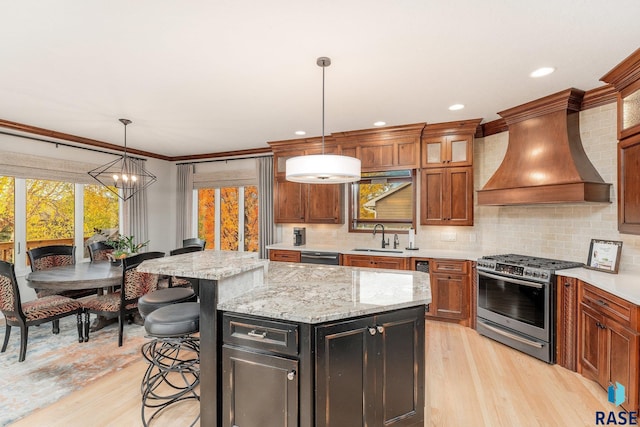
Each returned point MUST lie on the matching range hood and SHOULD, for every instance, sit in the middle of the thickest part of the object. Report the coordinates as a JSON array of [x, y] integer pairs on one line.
[[545, 161]]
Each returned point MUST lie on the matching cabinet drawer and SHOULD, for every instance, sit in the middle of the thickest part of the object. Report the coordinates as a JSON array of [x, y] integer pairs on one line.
[[610, 305], [284, 256], [260, 334], [448, 266]]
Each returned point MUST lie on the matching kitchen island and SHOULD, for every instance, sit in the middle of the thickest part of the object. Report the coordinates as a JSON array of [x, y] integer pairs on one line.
[[297, 344]]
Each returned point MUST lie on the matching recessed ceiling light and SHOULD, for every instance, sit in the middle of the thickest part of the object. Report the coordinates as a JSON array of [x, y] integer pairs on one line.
[[380, 123], [541, 72], [456, 107], [300, 132]]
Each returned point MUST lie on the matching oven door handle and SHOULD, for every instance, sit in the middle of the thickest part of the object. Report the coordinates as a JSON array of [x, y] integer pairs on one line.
[[511, 279], [513, 336]]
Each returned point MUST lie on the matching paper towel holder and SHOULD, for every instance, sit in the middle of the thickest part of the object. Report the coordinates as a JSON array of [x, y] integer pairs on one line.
[[411, 240]]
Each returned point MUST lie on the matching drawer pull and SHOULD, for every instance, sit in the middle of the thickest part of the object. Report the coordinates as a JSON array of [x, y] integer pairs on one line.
[[602, 303], [254, 334], [291, 375]]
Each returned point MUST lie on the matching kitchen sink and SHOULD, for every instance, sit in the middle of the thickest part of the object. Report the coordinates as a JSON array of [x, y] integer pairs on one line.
[[393, 251]]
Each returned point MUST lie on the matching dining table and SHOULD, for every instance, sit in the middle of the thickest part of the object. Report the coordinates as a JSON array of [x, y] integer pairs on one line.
[[97, 275]]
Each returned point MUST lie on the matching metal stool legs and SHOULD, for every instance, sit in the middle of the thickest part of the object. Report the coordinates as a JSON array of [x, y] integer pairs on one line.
[[172, 376]]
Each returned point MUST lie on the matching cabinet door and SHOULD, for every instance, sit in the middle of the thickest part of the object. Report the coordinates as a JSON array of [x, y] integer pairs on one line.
[[459, 200], [451, 296], [324, 203], [400, 385], [629, 185], [289, 201], [592, 344], [258, 389], [345, 376], [432, 195], [376, 156], [622, 363]]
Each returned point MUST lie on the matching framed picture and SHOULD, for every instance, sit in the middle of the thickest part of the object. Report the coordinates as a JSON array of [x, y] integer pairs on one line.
[[604, 255]]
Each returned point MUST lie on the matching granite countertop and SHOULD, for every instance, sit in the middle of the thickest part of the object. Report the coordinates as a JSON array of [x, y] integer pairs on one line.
[[471, 255], [212, 265], [625, 284], [316, 293]]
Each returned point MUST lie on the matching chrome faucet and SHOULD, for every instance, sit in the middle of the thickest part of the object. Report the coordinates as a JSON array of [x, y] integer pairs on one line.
[[396, 241], [384, 243]]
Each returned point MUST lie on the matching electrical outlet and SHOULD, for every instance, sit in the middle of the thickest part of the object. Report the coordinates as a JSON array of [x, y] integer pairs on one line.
[[448, 236]]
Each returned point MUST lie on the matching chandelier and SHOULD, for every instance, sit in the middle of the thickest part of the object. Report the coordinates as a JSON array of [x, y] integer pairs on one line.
[[323, 168], [124, 176]]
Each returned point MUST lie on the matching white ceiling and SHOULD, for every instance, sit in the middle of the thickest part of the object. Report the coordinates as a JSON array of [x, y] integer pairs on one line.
[[209, 76]]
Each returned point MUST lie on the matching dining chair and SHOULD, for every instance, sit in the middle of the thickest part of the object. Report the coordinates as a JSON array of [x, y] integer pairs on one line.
[[123, 301], [182, 282], [51, 256], [99, 251], [194, 241], [31, 313]]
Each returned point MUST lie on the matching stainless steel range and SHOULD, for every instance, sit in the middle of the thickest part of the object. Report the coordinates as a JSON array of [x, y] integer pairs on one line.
[[516, 302]]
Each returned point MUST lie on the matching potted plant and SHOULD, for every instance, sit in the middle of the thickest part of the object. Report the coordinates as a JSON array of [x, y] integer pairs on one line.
[[123, 246]]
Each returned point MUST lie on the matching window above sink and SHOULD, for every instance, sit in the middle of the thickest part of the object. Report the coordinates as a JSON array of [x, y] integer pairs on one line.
[[387, 198]]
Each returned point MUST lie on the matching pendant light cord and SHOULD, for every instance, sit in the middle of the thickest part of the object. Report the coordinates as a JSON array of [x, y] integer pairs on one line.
[[323, 67]]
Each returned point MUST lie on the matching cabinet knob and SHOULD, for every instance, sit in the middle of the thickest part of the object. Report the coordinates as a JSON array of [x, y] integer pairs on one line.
[[291, 375], [372, 331], [567, 284], [380, 328]]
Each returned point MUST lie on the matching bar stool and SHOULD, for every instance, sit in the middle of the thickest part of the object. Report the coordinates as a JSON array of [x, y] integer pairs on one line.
[[173, 354], [162, 297]]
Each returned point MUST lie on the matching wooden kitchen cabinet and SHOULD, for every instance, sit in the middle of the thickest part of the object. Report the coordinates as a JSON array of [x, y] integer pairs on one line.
[[383, 149], [567, 322], [609, 341], [307, 203], [625, 77], [447, 150], [372, 363], [446, 196], [372, 261], [284, 255], [446, 187], [260, 368], [450, 290]]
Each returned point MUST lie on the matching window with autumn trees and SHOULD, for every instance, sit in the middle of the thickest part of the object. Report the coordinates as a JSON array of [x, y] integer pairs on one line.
[[228, 218], [386, 198], [50, 210]]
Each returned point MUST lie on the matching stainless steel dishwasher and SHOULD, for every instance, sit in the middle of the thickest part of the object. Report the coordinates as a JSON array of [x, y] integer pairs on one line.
[[327, 258]]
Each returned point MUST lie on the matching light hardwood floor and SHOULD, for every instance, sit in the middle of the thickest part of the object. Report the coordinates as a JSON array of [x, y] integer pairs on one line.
[[470, 381]]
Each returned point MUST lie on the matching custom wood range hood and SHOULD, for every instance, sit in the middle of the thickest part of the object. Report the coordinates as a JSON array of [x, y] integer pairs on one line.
[[545, 161]]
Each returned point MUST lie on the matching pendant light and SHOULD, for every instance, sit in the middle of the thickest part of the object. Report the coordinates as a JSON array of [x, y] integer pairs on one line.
[[126, 174], [323, 168]]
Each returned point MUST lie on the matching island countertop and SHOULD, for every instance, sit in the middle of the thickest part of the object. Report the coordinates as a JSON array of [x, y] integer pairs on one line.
[[209, 265], [313, 294]]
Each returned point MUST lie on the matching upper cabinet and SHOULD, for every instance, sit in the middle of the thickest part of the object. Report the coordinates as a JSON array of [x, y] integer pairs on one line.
[[304, 203], [446, 190], [390, 148], [626, 79]]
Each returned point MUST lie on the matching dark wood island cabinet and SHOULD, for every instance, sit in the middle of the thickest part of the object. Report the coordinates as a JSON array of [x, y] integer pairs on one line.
[[290, 344]]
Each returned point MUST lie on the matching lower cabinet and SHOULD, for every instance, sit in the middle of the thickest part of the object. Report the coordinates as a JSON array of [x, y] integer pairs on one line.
[[284, 374], [609, 342], [259, 389], [371, 261], [450, 290], [375, 363]]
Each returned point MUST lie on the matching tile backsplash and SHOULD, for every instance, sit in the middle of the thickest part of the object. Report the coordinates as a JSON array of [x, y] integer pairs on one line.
[[561, 231]]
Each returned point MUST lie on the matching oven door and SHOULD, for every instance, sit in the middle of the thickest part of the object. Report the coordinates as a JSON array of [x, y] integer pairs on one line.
[[520, 305]]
